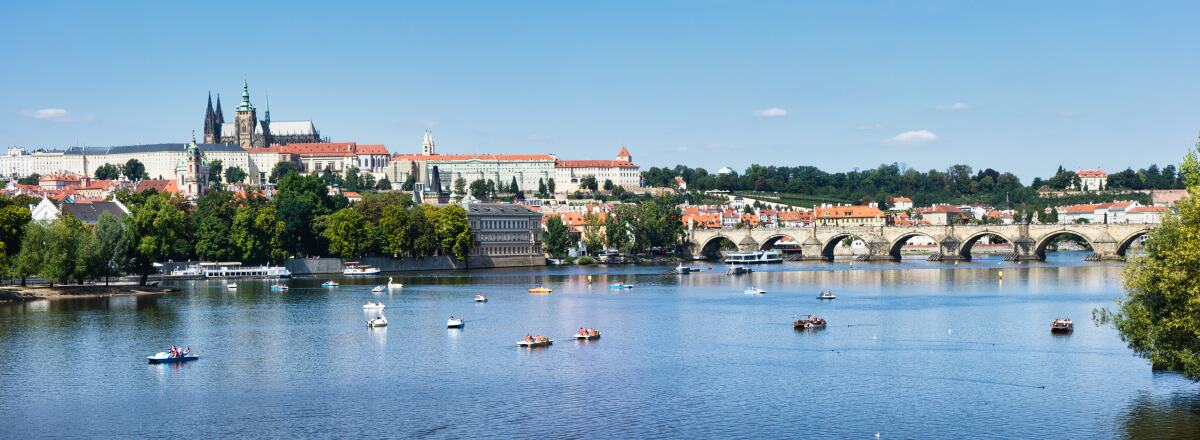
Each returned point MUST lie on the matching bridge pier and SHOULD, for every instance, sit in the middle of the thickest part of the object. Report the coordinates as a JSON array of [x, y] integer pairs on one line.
[[810, 249]]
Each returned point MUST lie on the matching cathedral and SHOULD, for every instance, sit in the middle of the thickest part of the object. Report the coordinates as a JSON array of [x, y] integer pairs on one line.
[[247, 131]]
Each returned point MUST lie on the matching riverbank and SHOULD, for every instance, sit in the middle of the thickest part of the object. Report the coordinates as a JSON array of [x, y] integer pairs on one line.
[[23, 294]]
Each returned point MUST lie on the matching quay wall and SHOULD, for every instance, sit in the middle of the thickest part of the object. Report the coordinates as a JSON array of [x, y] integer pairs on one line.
[[313, 266]]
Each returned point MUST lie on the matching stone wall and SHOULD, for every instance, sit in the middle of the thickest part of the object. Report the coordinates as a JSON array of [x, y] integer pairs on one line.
[[312, 266]]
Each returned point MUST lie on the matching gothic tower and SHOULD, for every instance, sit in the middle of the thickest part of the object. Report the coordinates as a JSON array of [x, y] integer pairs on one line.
[[220, 115], [427, 145], [266, 124], [245, 119], [211, 136]]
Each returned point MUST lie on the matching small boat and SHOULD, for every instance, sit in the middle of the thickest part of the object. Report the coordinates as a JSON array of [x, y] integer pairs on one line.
[[480, 298], [588, 335], [377, 322], [825, 294], [163, 357], [754, 291], [279, 287], [620, 286], [377, 289], [392, 285], [540, 289], [1062, 325], [536, 341], [231, 286], [330, 283], [354, 268], [738, 270], [373, 305], [454, 322], [809, 322]]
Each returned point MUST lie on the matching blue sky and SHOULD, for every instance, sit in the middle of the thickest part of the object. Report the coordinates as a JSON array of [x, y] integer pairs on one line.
[[1016, 86]]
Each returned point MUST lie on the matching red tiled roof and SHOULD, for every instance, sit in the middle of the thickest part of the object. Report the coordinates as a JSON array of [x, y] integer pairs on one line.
[[495, 157], [945, 209], [624, 152], [160, 185], [372, 149], [1149, 209], [855, 211], [901, 199], [320, 147], [1091, 173], [594, 164], [271, 149]]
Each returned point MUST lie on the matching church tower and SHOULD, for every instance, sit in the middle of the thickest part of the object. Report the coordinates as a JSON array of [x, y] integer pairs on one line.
[[192, 173], [266, 140], [246, 120], [623, 155], [211, 135], [427, 145]]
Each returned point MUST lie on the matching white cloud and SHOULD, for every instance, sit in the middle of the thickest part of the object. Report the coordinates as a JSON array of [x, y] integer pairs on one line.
[[57, 114], [953, 106], [913, 137], [773, 112]]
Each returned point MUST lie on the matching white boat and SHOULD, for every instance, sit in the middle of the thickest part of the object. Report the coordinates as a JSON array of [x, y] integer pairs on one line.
[[354, 268], [540, 341], [231, 269], [373, 305], [480, 298], [759, 257], [455, 322], [377, 289], [825, 294], [377, 322], [592, 334], [754, 291], [279, 287], [392, 285], [330, 283], [231, 286]]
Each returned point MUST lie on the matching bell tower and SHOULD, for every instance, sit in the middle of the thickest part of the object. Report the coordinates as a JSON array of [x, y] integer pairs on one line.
[[245, 119]]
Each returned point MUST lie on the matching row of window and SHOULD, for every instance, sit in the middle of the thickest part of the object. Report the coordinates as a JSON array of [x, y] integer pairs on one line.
[[506, 250], [504, 224]]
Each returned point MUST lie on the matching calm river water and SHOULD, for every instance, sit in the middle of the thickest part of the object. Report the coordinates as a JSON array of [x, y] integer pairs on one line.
[[913, 350]]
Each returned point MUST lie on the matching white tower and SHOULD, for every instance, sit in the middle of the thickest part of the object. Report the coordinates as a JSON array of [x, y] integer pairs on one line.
[[427, 144]]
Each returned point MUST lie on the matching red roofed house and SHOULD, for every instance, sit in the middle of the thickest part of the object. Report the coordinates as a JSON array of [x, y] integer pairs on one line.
[[338, 157], [850, 215], [527, 169], [621, 172], [160, 185], [900, 203], [941, 215], [1111, 212], [1145, 214], [1092, 180]]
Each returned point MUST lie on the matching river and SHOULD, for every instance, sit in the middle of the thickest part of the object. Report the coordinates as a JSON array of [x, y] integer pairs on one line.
[[913, 350]]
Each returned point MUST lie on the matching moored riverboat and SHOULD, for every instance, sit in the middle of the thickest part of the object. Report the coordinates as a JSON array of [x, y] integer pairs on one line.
[[228, 270], [354, 268], [757, 257]]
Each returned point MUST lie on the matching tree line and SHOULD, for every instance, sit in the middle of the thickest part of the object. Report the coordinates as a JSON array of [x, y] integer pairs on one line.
[[302, 219], [650, 226]]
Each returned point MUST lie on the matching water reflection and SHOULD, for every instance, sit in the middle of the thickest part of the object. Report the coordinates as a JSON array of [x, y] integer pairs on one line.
[[1174, 416]]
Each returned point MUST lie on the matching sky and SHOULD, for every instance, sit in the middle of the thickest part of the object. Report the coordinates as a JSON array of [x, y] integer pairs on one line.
[[1020, 86]]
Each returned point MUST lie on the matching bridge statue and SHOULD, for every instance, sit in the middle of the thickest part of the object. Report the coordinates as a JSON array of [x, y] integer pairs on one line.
[[954, 242]]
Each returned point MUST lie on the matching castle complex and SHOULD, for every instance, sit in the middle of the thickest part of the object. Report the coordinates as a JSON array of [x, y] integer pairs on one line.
[[247, 131]]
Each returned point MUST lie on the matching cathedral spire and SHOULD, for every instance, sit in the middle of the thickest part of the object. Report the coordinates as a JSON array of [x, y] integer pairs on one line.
[[220, 113], [427, 144], [267, 114], [245, 105]]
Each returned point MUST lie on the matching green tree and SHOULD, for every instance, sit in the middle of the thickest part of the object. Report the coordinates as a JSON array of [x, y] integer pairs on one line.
[[235, 175], [13, 219], [1052, 217], [512, 186], [608, 184], [32, 179], [34, 248], [154, 231], [71, 252], [1159, 317], [109, 234], [588, 183], [212, 222], [108, 171], [134, 170], [421, 231], [410, 182], [351, 182], [541, 188], [479, 190], [550, 186], [215, 168], [347, 232], [616, 230], [282, 169], [301, 199], [593, 232], [384, 184], [392, 232], [454, 232], [460, 185], [557, 238]]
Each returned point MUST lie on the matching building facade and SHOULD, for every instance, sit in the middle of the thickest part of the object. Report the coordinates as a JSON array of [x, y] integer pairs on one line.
[[622, 172], [505, 235], [247, 131]]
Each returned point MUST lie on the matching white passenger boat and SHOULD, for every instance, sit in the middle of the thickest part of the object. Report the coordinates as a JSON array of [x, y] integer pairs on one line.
[[455, 322], [754, 291], [759, 257], [373, 305], [231, 269], [377, 322], [356, 268]]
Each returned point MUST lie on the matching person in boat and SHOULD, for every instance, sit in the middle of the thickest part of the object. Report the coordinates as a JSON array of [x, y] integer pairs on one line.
[[582, 332], [187, 350], [528, 338]]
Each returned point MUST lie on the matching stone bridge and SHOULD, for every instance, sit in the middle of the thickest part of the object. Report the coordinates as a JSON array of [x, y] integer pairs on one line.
[[1028, 241]]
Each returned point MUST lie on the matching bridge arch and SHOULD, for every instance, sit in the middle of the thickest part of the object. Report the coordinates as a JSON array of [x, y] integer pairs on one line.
[[1039, 248], [827, 250], [964, 248], [770, 241], [711, 248], [1125, 243], [898, 244]]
